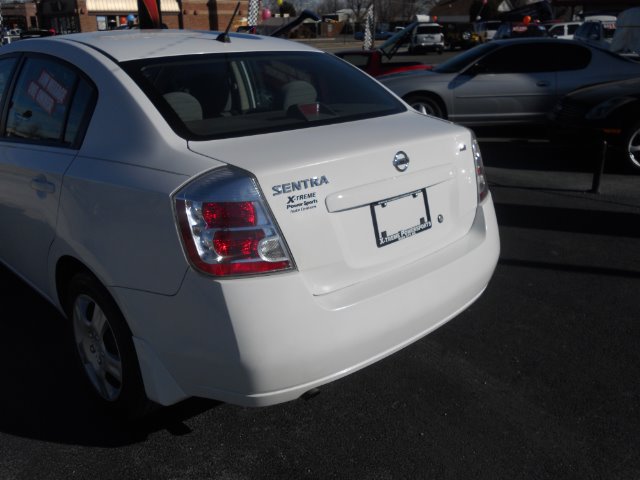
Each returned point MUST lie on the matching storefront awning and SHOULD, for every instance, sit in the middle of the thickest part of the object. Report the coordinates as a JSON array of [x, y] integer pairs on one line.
[[127, 6]]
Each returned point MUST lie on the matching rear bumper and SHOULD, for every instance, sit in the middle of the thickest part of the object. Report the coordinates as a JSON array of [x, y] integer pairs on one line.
[[262, 341], [429, 47]]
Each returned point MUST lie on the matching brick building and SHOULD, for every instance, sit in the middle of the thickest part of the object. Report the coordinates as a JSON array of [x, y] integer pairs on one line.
[[19, 15], [68, 16]]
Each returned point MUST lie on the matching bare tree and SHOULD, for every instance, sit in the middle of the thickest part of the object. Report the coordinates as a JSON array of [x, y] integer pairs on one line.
[[359, 8], [329, 6], [401, 11]]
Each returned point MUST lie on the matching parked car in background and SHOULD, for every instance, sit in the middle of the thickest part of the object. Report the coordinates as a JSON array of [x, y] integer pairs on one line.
[[611, 110], [520, 30], [381, 60], [459, 35], [562, 29], [598, 33], [9, 36], [37, 33], [376, 62], [427, 37], [251, 219], [515, 81], [487, 29]]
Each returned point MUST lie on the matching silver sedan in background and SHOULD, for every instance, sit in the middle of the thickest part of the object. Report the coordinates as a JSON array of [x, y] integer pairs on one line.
[[507, 82]]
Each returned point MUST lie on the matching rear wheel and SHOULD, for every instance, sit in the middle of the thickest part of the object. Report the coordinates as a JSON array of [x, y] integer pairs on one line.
[[105, 348], [425, 104], [631, 148]]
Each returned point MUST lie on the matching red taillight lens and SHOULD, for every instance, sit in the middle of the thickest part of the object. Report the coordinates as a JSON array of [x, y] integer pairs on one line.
[[227, 228], [229, 214], [252, 268], [237, 244]]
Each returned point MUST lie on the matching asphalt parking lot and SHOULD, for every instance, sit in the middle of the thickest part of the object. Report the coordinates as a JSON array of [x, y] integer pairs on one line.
[[537, 380]]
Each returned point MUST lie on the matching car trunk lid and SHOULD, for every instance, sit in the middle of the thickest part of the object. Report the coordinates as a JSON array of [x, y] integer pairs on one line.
[[347, 212]]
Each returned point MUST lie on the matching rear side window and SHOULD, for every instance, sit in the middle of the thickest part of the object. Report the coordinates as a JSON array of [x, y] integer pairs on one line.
[[428, 29], [44, 106], [532, 57], [217, 96], [572, 57]]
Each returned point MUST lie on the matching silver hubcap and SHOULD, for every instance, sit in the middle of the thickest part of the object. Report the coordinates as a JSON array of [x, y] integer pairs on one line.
[[97, 347], [425, 108], [422, 108], [634, 148]]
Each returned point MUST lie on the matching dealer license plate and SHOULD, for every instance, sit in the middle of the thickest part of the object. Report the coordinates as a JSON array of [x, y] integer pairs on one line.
[[400, 217]]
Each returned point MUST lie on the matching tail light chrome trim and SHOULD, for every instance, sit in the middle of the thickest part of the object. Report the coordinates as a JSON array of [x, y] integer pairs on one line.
[[481, 178]]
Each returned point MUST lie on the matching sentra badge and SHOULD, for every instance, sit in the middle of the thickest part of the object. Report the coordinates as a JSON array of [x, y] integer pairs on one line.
[[304, 184]]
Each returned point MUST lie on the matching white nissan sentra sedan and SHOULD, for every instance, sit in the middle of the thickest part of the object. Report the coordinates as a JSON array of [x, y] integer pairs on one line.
[[243, 220]]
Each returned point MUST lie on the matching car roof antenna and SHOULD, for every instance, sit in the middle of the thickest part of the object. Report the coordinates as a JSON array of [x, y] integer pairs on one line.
[[224, 36]]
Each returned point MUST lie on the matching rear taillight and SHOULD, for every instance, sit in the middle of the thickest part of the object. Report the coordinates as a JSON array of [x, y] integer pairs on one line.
[[226, 226], [481, 179]]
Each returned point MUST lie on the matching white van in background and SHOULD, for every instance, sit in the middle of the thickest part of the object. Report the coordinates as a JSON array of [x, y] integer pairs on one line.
[[562, 29], [427, 37]]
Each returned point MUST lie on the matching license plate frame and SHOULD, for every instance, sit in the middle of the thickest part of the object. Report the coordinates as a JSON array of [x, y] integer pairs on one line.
[[413, 204]]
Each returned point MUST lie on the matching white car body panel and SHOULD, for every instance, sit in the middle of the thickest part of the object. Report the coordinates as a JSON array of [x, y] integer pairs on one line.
[[30, 186], [119, 218]]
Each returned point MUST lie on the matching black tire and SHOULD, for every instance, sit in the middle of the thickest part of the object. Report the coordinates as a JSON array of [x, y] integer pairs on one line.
[[630, 154], [425, 104], [105, 350]]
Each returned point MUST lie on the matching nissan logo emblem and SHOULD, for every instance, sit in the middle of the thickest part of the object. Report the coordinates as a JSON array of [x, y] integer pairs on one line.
[[401, 161]]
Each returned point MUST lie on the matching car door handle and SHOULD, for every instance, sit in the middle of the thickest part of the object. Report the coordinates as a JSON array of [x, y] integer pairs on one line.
[[41, 184], [542, 83]]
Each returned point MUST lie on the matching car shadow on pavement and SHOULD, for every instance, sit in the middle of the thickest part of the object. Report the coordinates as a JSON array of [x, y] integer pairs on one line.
[[596, 222], [43, 394], [540, 148], [590, 269], [539, 154]]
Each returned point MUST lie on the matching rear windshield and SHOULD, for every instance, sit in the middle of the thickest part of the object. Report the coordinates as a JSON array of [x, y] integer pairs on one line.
[[428, 29], [238, 94]]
